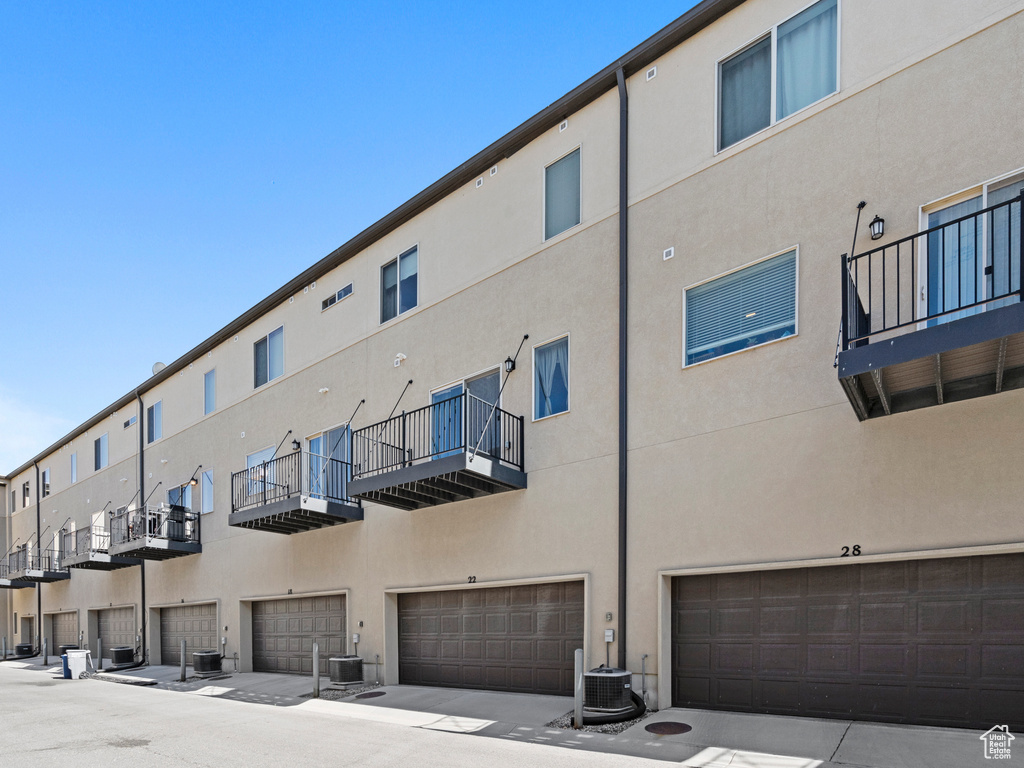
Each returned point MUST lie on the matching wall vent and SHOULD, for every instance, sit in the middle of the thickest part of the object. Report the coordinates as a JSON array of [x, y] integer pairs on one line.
[[494, 169], [479, 183], [563, 126], [668, 254], [652, 72]]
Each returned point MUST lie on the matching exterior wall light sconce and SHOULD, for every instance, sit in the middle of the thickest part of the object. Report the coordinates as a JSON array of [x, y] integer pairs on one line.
[[510, 364], [192, 480], [877, 226], [296, 445]]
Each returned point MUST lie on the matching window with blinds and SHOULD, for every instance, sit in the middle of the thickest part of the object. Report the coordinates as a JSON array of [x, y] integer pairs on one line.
[[743, 309]]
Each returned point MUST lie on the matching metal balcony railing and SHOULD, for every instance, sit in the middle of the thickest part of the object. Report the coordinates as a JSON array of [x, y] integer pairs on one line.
[[460, 424], [953, 270], [171, 522], [23, 560], [295, 474], [92, 538]]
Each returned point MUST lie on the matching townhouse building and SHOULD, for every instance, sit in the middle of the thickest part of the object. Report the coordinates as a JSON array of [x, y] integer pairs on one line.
[[629, 368]]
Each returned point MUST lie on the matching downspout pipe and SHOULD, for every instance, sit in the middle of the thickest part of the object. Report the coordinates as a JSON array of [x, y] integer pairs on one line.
[[39, 546], [620, 78], [142, 495]]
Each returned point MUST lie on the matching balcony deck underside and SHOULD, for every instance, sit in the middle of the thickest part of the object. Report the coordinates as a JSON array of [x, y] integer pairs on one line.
[[39, 575], [296, 514], [957, 360], [99, 561], [441, 481], [16, 584], [152, 548]]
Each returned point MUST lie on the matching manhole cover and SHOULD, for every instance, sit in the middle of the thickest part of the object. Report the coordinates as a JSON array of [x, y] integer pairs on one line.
[[370, 695], [668, 728]]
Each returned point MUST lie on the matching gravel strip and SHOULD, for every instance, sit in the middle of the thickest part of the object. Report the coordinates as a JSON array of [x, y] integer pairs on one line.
[[337, 694], [565, 723]]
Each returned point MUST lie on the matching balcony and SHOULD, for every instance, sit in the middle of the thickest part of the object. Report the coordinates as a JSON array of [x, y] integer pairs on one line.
[[935, 317], [293, 493], [452, 450], [36, 566], [6, 582], [155, 532], [89, 548]]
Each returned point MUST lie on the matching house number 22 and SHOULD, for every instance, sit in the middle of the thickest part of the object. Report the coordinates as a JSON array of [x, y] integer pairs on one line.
[[847, 551]]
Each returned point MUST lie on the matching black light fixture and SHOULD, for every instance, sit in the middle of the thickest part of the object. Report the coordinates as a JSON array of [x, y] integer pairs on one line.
[[296, 445], [510, 364], [877, 226], [192, 480]]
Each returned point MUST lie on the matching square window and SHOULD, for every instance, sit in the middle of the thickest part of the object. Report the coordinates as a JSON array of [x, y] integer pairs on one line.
[[210, 391], [398, 285], [154, 422], [562, 195], [804, 52], [742, 309], [551, 378], [268, 358], [99, 452]]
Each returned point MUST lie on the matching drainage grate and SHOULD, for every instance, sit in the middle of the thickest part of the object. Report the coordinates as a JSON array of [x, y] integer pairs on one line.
[[668, 728], [370, 695]]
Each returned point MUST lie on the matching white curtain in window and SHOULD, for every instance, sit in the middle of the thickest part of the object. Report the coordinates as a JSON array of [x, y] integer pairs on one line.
[[806, 58], [746, 93], [551, 360]]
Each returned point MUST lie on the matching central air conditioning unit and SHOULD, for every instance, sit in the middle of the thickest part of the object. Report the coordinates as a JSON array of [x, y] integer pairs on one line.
[[121, 655], [206, 663], [607, 690], [346, 670]]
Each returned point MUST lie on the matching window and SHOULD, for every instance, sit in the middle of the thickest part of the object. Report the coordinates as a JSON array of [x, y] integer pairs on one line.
[[328, 470], [74, 467], [154, 422], [742, 309], [99, 452], [260, 470], [130, 421], [974, 263], [398, 286], [207, 492], [46, 482], [562, 195], [26, 495], [551, 378], [334, 298], [268, 358], [180, 495], [210, 391], [802, 52]]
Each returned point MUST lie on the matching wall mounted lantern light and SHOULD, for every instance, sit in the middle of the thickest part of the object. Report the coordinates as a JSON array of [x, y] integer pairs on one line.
[[877, 226]]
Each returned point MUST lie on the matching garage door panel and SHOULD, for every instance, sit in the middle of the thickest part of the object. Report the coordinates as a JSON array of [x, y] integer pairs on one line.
[[505, 638], [116, 627], [195, 624], [283, 639], [65, 629], [909, 642]]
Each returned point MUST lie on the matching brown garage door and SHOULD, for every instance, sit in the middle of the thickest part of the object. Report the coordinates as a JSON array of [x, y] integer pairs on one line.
[[931, 642], [65, 630], [499, 639], [283, 632], [195, 624], [116, 628]]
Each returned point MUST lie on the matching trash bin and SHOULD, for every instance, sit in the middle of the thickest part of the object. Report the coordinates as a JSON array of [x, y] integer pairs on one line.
[[67, 669], [77, 663]]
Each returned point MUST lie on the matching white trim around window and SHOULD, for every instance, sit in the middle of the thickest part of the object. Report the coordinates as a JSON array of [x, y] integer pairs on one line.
[[397, 261], [795, 250], [772, 35], [533, 378], [544, 194]]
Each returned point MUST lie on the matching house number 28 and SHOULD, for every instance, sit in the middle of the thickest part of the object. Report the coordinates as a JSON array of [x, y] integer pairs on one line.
[[847, 551]]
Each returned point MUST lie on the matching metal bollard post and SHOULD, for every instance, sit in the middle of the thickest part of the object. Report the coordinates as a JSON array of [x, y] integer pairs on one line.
[[183, 661], [45, 643], [5, 647], [316, 670], [577, 714], [99, 653], [376, 665]]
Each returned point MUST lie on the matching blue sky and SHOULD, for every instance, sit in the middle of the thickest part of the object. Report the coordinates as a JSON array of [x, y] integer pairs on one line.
[[167, 165]]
